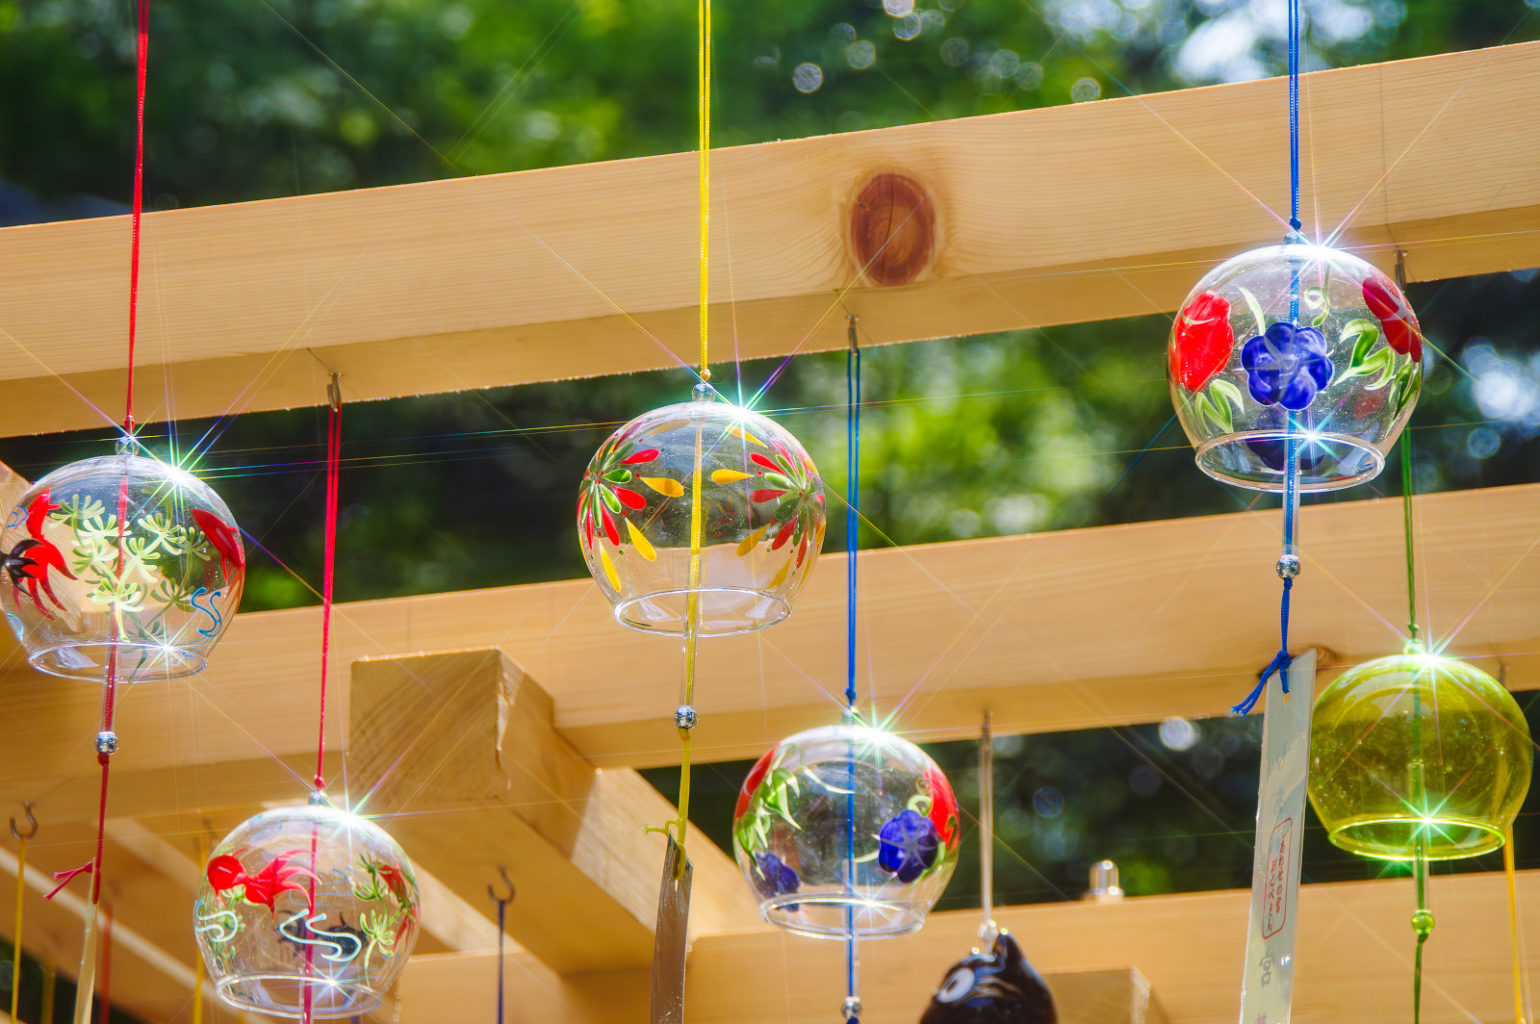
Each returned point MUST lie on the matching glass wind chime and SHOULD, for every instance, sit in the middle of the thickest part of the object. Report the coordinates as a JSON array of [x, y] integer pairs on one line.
[[997, 986], [120, 568], [1418, 757], [308, 911], [847, 831], [698, 519], [1293, 367]]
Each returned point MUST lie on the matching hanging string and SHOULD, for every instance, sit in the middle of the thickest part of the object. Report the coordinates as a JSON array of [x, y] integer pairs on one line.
[[1288, 564], [1511, 874], [1294, 33], [104, 1005], [851, 1008], [50, 980], [502, 922], [703, 74], [21, 893], [333, 472], [200, 972], [133, 265], [988, 929], [329, 529], [684, 715], [1422, 918], [1287, 568]]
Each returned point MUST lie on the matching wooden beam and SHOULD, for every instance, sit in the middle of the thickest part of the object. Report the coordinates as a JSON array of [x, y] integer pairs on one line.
[[1353, 961], [1045, 216], [458, 754], [1018, 625], [153, 948], [444, 990]]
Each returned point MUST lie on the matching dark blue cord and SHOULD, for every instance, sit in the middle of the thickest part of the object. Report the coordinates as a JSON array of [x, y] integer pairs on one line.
[[1281, 660], [853, 509], [1294, 31], [502, 911]]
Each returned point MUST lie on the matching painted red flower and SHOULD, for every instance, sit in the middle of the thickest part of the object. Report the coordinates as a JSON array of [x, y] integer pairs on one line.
[[29, 561], [263, 888], [750, 784], [1390, 308], [943, 805], [1201, 341]]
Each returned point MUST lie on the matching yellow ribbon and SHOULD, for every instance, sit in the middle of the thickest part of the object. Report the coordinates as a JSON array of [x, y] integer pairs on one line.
[[1513, 927], [21, 897]]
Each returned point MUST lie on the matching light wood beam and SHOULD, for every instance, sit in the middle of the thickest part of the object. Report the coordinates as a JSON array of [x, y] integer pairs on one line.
[[153, 948], [1046, 216], [1058, 631], [1353, 961], [458, 756]]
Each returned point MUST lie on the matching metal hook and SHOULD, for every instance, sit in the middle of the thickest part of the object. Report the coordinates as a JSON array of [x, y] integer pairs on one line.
[[334, 392], [850, 331], [506, 881], [31, 821], [1401, 269]]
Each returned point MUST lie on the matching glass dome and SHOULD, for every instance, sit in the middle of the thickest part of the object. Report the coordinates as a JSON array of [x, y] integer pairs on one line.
[[1347, 368], [1418, 748], [762, 525], [306, 906], [120, 561], [792, 833]]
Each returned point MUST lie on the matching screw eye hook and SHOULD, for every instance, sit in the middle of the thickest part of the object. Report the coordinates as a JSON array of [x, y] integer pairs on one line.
[[508, 883], [31, 822]]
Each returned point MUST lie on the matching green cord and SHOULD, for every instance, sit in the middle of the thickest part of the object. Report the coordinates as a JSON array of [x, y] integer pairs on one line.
[[1411, 563]]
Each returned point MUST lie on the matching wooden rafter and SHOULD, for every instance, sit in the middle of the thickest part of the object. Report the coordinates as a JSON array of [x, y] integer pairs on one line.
[[1018, 625], [1046, 216], [467, 737], [1353, 961]]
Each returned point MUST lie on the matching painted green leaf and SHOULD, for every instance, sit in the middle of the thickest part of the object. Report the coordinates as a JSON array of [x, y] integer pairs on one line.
[[1256, 310], [1363, 334]]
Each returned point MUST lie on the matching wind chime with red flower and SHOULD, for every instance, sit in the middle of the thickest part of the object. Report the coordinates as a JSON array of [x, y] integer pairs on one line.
[[309, 911], [1319, 390], [698, 519], [119, 568]]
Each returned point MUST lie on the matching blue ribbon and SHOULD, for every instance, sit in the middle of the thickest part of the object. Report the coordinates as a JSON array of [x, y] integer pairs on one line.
[[1294, 31]]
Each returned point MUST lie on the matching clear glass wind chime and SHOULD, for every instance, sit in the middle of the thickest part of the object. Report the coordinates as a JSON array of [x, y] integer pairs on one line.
[[1294, 367], [1418, 757], [847, 831], [698, 519], [309, 911], [121, 568]]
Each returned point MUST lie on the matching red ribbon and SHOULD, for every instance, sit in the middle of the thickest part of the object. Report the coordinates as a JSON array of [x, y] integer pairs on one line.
[[333, 471], [133, 272]]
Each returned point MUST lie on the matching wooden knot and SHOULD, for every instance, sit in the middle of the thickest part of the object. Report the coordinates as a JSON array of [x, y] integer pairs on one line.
[[892, 229]]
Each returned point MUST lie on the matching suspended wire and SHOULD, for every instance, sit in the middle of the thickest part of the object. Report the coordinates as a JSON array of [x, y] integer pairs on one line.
[[851, 1006], [333, 473]]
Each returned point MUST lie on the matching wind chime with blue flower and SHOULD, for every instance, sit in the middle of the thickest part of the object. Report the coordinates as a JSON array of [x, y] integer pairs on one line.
[[1312, 399], [847, 831]]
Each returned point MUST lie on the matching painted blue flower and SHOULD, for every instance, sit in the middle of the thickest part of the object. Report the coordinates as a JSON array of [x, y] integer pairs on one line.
[[1287, 365], [776, 878], [908, 845]]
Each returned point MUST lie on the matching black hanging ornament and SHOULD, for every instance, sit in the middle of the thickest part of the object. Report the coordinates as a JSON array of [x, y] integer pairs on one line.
[[998, 987]]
